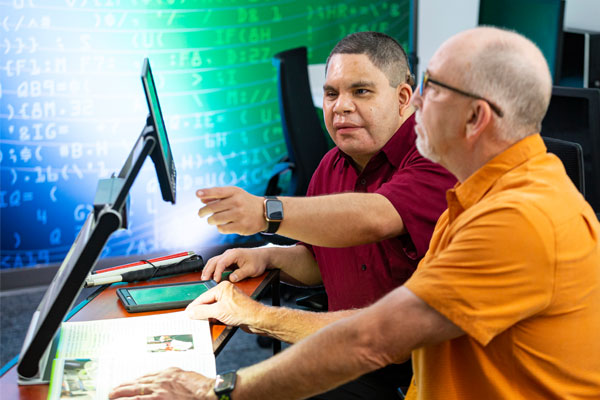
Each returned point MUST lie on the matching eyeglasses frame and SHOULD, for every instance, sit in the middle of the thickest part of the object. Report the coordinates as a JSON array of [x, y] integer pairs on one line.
[[427, 79]]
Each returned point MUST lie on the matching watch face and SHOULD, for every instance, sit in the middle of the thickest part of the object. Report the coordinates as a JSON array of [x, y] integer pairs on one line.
[[225, 383], [274, 210]]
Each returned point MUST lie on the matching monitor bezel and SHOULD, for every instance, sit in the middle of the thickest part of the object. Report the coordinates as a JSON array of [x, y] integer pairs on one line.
[[161, 153]]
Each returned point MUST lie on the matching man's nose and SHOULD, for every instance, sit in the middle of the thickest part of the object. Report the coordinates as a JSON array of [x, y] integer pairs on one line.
[[343, 104], [417, 100]]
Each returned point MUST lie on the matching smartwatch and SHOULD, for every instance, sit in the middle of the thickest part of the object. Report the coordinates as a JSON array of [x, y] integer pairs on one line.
[[224, 385], [273, 214]]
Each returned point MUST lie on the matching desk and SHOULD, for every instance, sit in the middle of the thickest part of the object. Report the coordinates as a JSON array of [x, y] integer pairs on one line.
[[104, 304]]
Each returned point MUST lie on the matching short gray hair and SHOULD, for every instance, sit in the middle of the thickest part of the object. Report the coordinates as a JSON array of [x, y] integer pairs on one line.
[[382, 50], [511, 71]]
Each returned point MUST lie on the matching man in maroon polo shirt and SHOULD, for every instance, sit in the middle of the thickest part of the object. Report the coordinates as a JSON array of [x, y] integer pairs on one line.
[[368, 216]]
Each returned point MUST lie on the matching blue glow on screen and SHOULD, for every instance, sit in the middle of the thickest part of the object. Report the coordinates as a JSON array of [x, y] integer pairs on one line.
[[72, 106]]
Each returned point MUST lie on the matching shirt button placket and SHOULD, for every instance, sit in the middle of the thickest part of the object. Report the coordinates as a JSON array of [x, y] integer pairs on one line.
[[361, 185]]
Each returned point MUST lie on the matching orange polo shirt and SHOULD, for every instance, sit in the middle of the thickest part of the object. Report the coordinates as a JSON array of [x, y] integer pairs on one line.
[[515, 263]]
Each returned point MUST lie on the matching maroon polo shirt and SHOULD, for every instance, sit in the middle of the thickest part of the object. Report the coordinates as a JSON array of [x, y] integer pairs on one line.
[[357, 276]]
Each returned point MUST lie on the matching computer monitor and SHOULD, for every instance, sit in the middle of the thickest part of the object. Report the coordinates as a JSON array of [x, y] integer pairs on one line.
[[153, 140], [161, 154], [580, 65], [574, 115], [109, 215], [539, 20]]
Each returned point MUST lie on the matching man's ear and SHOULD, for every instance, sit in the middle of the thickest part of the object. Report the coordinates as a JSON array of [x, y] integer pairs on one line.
[[405, 93], [478, 120]]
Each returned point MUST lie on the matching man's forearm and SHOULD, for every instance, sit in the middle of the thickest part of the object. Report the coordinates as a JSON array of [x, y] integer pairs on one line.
[[290, 325], [371, 338], [335, 355], [296, 262], [340, 220]]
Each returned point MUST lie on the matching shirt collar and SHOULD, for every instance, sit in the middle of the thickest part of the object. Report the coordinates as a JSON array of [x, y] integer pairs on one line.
[[396, 147], [401, 142], [474, 188]]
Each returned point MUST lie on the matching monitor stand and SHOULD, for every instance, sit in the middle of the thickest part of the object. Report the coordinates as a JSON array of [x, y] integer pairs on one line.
[[109, 215]]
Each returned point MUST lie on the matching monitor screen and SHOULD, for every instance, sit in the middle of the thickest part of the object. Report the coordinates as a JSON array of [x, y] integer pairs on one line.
[[161, 154], [153, 141], [539, 20]]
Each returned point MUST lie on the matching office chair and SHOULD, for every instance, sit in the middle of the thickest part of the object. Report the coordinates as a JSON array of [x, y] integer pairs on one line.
[[305, 140], [574, 115], [571, 155]]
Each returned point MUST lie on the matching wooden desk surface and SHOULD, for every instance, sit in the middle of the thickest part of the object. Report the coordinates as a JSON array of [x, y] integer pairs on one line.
[[105, 305]]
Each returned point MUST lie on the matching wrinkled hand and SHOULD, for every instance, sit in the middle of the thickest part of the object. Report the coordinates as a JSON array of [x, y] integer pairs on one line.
[[249, 262], [227, 304], [233, 210], [171, 383]]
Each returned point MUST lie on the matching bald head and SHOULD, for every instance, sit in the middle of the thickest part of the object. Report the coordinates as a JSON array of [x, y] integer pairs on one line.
[[504, 67]]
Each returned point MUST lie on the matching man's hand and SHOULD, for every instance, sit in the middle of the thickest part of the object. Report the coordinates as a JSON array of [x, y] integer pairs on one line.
[[227, 304], [233, 210], [249, 262], [171, 383]]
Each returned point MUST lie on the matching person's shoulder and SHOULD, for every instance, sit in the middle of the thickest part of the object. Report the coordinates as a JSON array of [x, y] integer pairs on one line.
[[516, 212], [543, 191], [416, 162]]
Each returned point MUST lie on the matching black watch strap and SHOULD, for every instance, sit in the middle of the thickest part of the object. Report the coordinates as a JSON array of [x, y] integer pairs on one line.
[[224, 385], [273, 211]]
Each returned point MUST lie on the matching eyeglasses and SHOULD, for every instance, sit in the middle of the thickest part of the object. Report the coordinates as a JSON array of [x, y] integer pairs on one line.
[[427, 79]]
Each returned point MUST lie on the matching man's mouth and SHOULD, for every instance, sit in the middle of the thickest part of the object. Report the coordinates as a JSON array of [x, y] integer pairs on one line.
[[345, 127], [419, 122]]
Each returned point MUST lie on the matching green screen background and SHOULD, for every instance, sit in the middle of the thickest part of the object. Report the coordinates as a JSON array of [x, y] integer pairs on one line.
[[72, 105]]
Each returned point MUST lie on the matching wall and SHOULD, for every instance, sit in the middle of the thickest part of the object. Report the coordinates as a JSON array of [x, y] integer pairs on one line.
[[440, 19], [583, 14]]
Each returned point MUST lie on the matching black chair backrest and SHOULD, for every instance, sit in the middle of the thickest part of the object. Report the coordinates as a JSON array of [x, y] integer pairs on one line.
[[304, 136], [571, 155], [574, 116]]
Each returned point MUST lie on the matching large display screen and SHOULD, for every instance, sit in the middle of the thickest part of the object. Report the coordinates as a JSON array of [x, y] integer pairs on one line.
[[539, 20], [70, 107]]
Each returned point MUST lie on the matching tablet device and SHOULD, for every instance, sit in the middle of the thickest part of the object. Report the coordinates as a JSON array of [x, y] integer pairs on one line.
[[162, 297]]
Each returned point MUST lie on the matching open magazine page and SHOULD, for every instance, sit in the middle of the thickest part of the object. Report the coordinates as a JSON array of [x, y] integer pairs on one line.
[[95, 356], [129, 335], [94, 378]]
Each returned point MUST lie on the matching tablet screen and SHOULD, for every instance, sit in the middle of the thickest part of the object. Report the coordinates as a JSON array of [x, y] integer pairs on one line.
[[166, 294]]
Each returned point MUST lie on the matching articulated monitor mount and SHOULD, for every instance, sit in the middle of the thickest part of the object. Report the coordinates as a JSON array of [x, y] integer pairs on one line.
[[109, 215]]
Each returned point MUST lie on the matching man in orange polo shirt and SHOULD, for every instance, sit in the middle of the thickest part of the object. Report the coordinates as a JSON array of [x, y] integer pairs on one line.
[[514, 261], [506, 302]]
